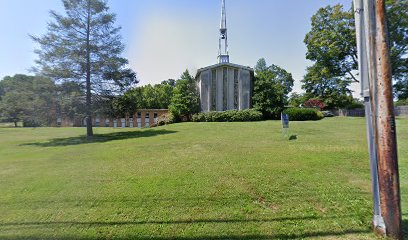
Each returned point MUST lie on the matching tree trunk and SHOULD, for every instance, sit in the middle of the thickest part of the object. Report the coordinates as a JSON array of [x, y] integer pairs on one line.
[[15, 123], [89, 130]]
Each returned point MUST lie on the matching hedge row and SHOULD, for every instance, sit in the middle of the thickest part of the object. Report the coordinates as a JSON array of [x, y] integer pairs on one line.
[[303, 114], [247, 115]]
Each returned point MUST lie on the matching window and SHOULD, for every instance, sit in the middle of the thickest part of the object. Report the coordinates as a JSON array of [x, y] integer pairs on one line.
[[225, 88], [154, 115], [213, 90], [139, 115], [236, 89], [147, 119]]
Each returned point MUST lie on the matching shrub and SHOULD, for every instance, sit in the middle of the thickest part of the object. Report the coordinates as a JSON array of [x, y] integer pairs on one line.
[[30, 123], [303, 114], [403, 102], [199, 117], [165, 119], [246, 115], [355, 105], [314, 103]]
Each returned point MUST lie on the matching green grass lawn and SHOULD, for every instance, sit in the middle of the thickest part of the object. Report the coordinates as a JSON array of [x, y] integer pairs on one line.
[[191, 181]]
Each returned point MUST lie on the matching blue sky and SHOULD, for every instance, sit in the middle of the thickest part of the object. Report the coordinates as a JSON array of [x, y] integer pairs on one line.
[[164, 37]]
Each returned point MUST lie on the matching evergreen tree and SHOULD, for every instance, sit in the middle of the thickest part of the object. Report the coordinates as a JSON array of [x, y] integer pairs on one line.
[[84, 46]]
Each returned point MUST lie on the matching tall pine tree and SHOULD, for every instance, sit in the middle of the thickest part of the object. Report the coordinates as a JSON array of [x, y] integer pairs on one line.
[[84, 46]]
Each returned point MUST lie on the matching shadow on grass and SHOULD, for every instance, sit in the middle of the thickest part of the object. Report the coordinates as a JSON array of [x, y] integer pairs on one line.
[[316, 234], [99, 138], [405, 228], [52, 225], [172, 222], [292, 137]]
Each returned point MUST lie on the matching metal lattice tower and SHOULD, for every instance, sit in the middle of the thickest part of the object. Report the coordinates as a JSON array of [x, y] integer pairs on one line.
[[223, 56]]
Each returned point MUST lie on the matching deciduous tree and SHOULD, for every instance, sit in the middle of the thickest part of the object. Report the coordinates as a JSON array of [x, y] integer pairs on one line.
[[185, 101], [272, 85], [331, 45], [30, 99]]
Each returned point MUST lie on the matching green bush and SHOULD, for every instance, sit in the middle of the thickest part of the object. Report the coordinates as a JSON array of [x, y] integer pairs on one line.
[[303, 114], [355, 105], [199, 117], [247, 115], [403, 102]]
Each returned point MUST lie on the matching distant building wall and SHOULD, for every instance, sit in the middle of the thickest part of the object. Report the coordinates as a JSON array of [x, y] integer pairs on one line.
[[224, 87], [401, 111], [141, 119]]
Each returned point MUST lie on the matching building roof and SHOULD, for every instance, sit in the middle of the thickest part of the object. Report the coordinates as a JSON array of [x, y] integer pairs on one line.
[[223, 64]]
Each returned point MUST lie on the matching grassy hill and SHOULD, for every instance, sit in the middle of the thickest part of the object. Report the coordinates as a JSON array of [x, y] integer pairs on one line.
[[191, 181]]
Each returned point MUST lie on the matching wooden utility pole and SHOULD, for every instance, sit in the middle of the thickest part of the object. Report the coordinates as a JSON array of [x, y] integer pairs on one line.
[[387, 142], [380, 82]]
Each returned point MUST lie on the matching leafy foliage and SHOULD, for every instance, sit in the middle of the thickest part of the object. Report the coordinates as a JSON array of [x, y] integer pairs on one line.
[[331, 45], [401, 88], [332, 42], [397, 19], [272, 85], [156, 97], [297, 100], [403, 102], [320, 83], [70, 100], [355, 104], [303, 114], [145, 97], [314, 103], [247, 115], [185, 101], [29, 99], [165, 119]]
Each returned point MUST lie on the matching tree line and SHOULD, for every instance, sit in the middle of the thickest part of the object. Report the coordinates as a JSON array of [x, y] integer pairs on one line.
[[38, 101], [331, 46], [80, 70]]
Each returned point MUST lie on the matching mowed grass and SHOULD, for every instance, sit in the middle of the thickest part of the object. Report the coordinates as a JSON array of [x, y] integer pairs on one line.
[[191, 181]]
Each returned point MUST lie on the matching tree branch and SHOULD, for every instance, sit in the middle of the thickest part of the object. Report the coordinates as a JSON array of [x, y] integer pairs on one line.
[[353, 77]]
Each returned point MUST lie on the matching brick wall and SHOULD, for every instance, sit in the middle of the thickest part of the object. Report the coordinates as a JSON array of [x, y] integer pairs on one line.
[[142, 118]]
